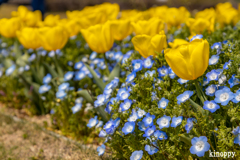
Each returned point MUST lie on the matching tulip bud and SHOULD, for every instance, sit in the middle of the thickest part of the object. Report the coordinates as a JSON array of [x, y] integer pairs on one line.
[[29, 38], [9, 27]]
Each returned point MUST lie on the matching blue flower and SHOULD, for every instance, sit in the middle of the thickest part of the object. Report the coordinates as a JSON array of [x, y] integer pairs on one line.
[[101, 149], [205, 82], [222, 79], [217, 45], [79, 100], [223, 96], [93, 55], [109, 127], [136, 155], [141, 113], [160, 135], [118, 56], [227, 64], [137, 65], [10, 70], [164, 121], [189, 124], [63, 86], [182, 81], [236, 130], [32, 57], [149, 73], [78, 65], [233, 81], [171, 74], [76, 108], [163, 71], [151, 149], [236, 98], [212, 75], [100, 123], [199, 146], [68, 76], [92, 122], [211, 106], [184, 97], [147, 63], [126, 104], [148, 119], [123, 94], [44, 88], [130, 77], [47, 79], [60, 94], [213, 60], [149, 131], [101, 100], [198, 36], [163, 103], [237, 139], [141, 126], [79, 75], [128, 127], [102, 134], [176, 121], [133, 117], [210, 90], [154, 96]]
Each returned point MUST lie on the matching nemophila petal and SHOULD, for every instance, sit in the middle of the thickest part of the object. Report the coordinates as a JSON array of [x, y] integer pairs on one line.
[[217, 45], [163, 71], [128, 127], [176, 121], [184, 97], [126, 104], [222, 79], [160, 135], [149, 73], [189, 125], [44, 88], [163, 103], [61, 94], [136, 155], [233, 81], [68, 76], [199, 146], [154, 96], [63, 86], [151, 149], [93, 55], [76, 108], [198, 36], [237, 139], [223, 96], [149, 131], [117, 56], [101, 100], [107, 91], [205, 82], [116, 122], [102, 134], [140, 113], [10, 70], [147, 62], [211, 106], [130, 77], [182, 81], [101, 149], [133, 117], [164, 121], [212, 75], [148, 119], [236, 98], [236, 130], [137, 65], [171, 73], [78, 65], [92, 122], [47, 79], [100, 123], [213, 60], [32, 57], [210, 90], [123, 94], [141, 126], [227, 64]]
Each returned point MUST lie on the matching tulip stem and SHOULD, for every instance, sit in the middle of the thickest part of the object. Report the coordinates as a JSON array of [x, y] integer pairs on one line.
[[199, 91]]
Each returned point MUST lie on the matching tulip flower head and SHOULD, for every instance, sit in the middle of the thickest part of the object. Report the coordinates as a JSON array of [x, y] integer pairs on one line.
[[28, 37], [9, 27]]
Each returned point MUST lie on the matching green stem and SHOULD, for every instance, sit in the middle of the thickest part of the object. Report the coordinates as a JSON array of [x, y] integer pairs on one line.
[[105, 60], [198, 90]]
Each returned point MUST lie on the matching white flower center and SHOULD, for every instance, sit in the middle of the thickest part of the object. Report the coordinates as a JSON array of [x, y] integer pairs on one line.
[[163, 104], [213, 76], [150, 131], [124, 95], [163, 71], [224, 96], [185, 97], [211, 105], [214, 60], [137, 65], [199, 145], [149, 120], [101, 100], [127, 105], [148, 62], [130, 128], [178, 121], [211, 90], [137, 157], [237, 97], [140, 113], [164, 122]]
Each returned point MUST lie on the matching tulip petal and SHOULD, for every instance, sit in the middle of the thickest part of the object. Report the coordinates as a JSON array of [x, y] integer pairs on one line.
[[142, 45]]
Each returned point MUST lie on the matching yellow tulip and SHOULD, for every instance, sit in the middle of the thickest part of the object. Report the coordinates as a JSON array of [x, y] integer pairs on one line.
[[9, 27], [126, 14], [207, 14], [189, 61], [225, 13], [121, 29], [148, 45], [29, 38], [177, 42], [53, 38], [50, 21], [99, 37], [149, 27], [72, 26], [197, 26]]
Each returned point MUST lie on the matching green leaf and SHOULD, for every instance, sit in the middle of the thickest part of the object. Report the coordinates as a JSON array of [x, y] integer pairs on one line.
[[16, 49], [59, 69], [115, 73], [36, 76], [185, 139], [99, 82], [22, 61], [102, 113], [7, 63], [50, 70], [197, 107], [85, 94]]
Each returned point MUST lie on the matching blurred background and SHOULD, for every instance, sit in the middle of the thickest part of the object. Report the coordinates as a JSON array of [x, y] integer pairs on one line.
[[60, 6]]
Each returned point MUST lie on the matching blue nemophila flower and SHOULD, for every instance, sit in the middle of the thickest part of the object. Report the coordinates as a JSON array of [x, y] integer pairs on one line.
[[176, 121], [68, 76], [141, 113], [137, 65], [148, 62], [101, 100], [60, 94], [123, 94], [227, 64], [160, 135], [212, 75], [76, 108], [44, 88], [211, 106], [92, 122], [26, 68], [236, 98], [101, 149], [32, 57], [141, 126], [151, 149], [79, 100], [199, 146], [189, 124], [51, 54], [198, 36], [149, 131], [163, 103], [70, 63], [222, 79], [102, 134], [154, 96], [126, 104], [136, 155], [109, 127], [100, 123], [163, 71], [128, 127], [130, 77], [210, 90], [164, 121], [223, 96], [236, 130], [93, 55], [237, 139], [184, 97], [109, 55], [205, 82], [10, 70], [78, 65], [213, 60], [108, 91], [171, 73], [233, 81], [118, 56], [217, 45], [133, 117], [79, 75], [47, 79], [149, 73], [20, 70], [182, 81], [148, 119], [63, 86]]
